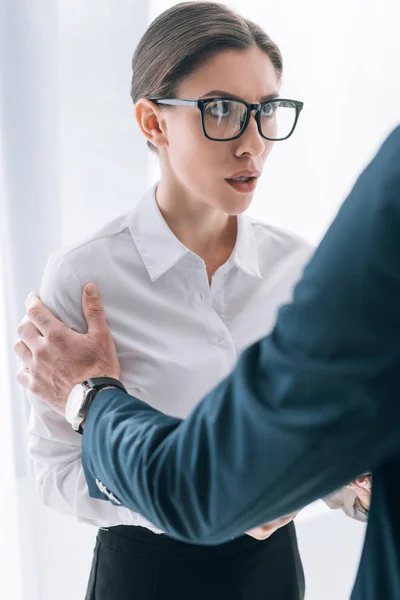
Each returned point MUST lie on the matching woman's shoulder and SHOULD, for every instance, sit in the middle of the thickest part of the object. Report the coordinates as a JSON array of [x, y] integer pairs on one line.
[[281, 240], [108, 235], [282, 254], [71, 267]]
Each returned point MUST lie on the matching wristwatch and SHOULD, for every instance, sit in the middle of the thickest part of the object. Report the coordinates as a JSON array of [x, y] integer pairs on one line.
[[82, 396]]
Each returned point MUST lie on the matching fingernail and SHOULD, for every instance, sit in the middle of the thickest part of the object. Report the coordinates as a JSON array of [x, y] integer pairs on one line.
[[92, 290]]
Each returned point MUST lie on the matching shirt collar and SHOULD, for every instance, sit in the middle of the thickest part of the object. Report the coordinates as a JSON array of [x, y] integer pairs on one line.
[[245, 253], [160, 249]]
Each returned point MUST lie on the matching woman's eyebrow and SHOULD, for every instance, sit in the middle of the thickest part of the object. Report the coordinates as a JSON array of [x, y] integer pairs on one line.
[[271, 96]]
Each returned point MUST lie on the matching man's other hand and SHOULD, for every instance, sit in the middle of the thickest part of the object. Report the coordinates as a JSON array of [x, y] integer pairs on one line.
[[362, 487]]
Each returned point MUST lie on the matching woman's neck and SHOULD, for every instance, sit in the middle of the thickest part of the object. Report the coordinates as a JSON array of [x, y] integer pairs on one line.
[[205, 230]]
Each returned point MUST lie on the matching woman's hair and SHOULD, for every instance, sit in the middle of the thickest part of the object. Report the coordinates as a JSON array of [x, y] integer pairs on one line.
[[184, 37]]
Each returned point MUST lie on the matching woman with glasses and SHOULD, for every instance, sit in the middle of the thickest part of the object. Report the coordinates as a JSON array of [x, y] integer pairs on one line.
[[188, 282]]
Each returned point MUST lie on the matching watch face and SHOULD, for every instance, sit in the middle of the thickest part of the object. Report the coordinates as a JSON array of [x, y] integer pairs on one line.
[[75, 402]]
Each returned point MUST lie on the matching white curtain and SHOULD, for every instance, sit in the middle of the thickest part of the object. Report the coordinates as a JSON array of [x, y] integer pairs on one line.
[[70, 159]]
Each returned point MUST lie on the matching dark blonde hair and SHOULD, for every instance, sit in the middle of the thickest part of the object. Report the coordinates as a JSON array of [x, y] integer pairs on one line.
[[183, 37]]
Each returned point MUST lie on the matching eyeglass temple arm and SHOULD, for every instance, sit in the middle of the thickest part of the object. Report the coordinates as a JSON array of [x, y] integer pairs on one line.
[[176, 102]]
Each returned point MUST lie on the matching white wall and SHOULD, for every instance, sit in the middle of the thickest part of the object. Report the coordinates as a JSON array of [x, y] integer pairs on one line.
[[341, 59]]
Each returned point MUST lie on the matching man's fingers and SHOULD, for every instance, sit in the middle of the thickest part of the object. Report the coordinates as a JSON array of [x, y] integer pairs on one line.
[[40, 315], [361, 484], [24, 378], [362, 489], [93, 309], [23, 352], [29, 335], [364, 482]]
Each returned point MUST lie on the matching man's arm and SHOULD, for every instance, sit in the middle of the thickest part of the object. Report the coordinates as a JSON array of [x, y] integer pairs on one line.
[[306, 409]]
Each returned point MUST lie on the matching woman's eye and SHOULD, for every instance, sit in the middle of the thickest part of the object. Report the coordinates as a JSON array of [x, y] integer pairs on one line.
[[268, 110], [220, 109]]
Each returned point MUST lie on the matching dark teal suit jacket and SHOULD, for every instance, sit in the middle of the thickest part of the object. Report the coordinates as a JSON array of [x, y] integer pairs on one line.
[[306, 409]]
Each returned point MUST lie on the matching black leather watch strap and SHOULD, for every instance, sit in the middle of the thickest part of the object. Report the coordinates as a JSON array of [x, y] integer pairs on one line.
[[98, 383]]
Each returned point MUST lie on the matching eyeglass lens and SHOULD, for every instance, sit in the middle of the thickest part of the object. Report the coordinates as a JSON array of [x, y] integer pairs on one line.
[[224, 119]]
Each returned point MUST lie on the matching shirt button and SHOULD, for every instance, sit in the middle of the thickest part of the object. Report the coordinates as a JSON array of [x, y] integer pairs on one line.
[[219, 306]]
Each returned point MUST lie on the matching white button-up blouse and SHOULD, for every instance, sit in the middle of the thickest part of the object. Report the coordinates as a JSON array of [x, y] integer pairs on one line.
[[176, 336]]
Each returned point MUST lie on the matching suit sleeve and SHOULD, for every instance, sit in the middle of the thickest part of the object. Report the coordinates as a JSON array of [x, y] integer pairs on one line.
[[306, 409]]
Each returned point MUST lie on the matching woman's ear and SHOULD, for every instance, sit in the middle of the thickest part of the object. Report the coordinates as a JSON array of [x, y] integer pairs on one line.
[[151, 123]]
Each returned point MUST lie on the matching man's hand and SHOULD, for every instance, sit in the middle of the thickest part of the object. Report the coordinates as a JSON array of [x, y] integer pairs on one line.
[[54, 358], [362, 487], [265, 531]]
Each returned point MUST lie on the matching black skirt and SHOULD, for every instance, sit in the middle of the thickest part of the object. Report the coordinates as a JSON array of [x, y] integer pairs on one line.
[[133, 563]]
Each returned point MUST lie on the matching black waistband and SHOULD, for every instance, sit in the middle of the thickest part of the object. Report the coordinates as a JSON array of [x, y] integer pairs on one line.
[[134, 539]]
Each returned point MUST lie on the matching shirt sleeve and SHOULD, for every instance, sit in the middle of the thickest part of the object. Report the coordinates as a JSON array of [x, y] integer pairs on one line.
[[307, 408], [54, 446]]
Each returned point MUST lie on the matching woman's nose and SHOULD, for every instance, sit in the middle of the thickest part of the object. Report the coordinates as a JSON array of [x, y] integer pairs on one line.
[[251, 141]]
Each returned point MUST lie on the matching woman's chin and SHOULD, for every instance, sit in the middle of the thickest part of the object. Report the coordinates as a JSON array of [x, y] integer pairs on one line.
[[235, 204]]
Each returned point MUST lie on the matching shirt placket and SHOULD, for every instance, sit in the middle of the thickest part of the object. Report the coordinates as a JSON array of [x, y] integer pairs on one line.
[[212, 303], [223, 337]]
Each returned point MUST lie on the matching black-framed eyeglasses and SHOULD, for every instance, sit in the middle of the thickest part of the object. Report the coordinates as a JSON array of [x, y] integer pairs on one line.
[[225, 119]]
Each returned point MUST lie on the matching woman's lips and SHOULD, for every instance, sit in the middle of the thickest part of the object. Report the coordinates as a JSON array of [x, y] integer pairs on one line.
[[243, 187]]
